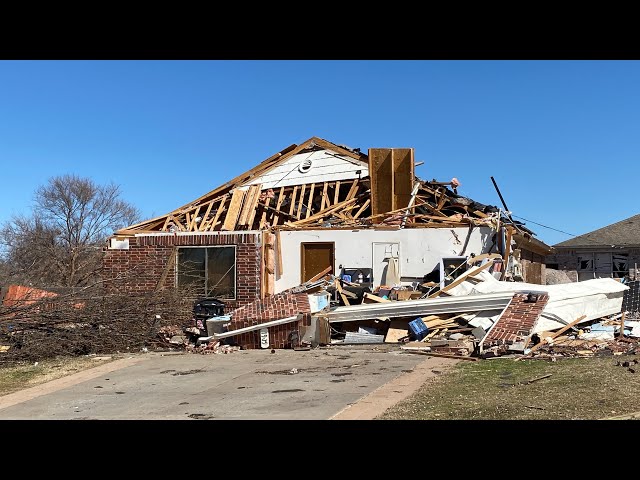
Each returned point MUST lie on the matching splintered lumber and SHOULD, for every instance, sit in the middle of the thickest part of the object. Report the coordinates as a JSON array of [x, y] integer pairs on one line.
[[558, 333], [444, 355], [221, 208], [341, 292], [250, 200], [362, 208], [461, 278], [478, 258], [397, 330], [321, 214], [234, 210], [318, 276], [204, 221], [374, 298], [194, 219], [352, 190], [263, 220], [254, 205]]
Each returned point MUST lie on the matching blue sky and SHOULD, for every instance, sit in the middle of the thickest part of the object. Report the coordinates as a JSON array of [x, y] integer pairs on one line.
[[561, 138]]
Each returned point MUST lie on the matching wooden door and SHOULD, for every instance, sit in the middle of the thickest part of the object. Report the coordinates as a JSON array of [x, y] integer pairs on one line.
[[315, 258]]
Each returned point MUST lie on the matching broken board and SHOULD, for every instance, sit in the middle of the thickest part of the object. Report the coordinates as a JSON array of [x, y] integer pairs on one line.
[[397, 330]]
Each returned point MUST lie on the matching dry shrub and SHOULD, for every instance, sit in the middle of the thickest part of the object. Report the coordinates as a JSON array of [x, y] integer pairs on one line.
[[84, 323]]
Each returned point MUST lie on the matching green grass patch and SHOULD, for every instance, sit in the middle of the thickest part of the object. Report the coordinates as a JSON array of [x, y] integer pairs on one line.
[[577, 389]]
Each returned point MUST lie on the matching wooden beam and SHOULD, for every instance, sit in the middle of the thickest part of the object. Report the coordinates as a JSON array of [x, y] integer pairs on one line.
[[177, 223], [461, 278], [304, 187], [336, 193], [205, 218], [362, 208], [234, 210], [263, 220], [278, 253], [293, 200], [310, 202], [318, 276], [252, 208], [375, 298], [557, 334], [322, 213], [278, 204], [324, 197], [246, 205], [352, 190], [194, 222], [339, 288], [219, 211], [622, 325]]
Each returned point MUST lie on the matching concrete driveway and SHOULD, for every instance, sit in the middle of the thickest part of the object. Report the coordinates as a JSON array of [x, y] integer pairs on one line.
[[334, 382]]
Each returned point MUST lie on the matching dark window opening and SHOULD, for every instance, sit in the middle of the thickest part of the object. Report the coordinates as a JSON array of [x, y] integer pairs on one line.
[[210, 271]]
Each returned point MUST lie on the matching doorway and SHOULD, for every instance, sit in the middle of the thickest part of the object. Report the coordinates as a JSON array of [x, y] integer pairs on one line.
[[316, 257]]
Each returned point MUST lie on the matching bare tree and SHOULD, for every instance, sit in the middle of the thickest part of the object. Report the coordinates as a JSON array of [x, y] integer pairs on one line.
[[60, 243]]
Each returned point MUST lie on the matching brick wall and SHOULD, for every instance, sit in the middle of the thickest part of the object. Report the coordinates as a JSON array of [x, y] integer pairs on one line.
[[141, 266], [517, 320], [274, 307]]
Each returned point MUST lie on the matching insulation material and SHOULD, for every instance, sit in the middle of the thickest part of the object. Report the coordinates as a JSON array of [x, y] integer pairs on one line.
[[593, 298]]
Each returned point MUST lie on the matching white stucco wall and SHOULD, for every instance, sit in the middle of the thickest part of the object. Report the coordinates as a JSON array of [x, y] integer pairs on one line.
[[419, 252]]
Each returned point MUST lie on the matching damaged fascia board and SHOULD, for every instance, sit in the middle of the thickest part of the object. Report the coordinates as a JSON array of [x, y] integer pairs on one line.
[[430, 306], [273, 323]]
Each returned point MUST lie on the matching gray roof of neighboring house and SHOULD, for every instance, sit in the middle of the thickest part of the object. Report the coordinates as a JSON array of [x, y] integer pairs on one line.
[[623, 233]]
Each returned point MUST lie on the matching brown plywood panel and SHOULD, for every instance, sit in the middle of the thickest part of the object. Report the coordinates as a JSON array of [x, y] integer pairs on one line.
[[381, 175], [403, 176], [234, 210], [248, 200]]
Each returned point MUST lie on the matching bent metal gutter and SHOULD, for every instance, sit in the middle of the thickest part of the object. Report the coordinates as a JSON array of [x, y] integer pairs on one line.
[[408, 308]]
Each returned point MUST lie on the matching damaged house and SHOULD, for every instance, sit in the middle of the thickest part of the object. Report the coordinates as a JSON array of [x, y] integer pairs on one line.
[[312, 210], [608, 252]]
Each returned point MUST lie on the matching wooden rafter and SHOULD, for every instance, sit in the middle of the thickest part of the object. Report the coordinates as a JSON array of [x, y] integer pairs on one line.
[[300, 202], [310, 202], [276, 215]]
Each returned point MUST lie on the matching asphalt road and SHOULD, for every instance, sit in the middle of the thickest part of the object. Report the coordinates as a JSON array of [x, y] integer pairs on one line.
[[340, 382]]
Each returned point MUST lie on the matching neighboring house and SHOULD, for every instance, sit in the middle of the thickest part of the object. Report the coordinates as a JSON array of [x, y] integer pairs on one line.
[[612, 251], [311, 208]]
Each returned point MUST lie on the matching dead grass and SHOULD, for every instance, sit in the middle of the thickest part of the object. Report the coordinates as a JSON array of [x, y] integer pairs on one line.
[[578, 389], [25, 375]]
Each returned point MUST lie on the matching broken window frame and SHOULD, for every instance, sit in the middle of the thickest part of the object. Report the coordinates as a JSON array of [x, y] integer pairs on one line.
[[619, 266], [203, 272]]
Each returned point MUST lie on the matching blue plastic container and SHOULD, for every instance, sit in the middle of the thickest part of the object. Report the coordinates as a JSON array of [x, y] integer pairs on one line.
[[418, 328]]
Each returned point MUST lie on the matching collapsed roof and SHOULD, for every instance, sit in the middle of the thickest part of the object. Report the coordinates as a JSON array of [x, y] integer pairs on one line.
[[319, 184]]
